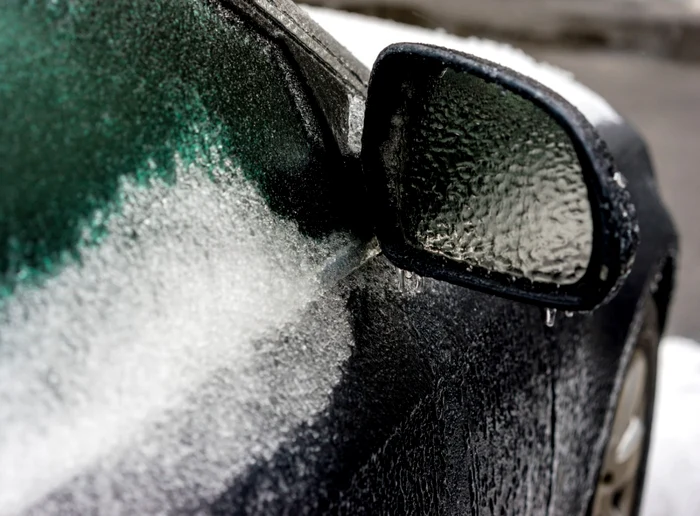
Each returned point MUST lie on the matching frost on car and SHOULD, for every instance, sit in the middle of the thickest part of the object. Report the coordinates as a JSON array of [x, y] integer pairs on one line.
[[194, 313], [151, 170]]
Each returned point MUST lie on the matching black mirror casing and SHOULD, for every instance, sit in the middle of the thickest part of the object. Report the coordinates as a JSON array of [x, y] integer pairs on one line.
[[401, 73]]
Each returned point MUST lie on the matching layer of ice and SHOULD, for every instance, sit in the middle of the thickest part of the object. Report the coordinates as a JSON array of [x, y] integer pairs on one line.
[[144, 361], [492, 181], [366, 37]]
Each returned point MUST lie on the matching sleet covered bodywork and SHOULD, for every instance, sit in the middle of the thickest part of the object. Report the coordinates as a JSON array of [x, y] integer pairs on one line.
[[194, 316]]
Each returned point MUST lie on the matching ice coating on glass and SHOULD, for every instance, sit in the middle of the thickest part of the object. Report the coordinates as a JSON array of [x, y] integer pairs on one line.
[[493, 181], [151, 257]]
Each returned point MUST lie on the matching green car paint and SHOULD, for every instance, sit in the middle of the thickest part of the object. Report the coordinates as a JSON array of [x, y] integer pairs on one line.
[[94, 92]]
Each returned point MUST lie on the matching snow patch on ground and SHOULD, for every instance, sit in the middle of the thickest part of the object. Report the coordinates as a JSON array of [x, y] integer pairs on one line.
[[673, 477]]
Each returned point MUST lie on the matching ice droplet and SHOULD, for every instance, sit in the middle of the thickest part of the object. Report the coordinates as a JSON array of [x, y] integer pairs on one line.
[[410, 283], [654, 287], [620, 180], [550, 316]]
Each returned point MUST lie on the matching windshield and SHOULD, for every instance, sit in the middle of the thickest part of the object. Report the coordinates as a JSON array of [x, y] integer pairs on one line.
[[94, 94], [148, 152]]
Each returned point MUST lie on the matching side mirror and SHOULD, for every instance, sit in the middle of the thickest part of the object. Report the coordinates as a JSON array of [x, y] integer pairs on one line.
[[482, 177]]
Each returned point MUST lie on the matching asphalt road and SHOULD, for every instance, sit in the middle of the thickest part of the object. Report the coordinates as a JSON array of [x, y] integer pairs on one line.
[[662, 98]]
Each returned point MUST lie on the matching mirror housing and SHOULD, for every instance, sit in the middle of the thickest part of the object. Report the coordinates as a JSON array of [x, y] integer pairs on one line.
[[405, 79]]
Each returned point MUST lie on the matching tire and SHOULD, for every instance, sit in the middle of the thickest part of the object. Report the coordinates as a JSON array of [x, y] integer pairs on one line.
[[621, 477]]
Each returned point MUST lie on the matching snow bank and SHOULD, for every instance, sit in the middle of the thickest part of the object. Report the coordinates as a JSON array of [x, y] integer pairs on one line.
[[673, 477]]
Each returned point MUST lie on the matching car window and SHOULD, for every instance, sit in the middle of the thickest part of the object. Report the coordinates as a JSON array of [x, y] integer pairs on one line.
[[96, 93]]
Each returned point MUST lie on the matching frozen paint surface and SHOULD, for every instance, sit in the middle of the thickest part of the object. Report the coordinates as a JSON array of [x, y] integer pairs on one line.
[[366, 37]]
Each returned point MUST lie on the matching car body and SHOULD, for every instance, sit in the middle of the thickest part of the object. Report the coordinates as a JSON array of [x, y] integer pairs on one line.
[[195, 316]]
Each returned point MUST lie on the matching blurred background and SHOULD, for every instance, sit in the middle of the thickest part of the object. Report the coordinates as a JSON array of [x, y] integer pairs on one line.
[[643, 56]]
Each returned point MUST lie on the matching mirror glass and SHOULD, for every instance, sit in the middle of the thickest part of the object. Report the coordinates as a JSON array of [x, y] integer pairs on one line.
[[493, 181]]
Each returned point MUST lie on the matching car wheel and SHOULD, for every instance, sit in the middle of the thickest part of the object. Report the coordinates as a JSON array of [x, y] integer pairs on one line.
[[620, 482]]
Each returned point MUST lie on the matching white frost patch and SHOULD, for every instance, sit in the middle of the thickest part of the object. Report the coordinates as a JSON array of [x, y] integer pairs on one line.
[[366, 37], [356, 122], [150, 350], [673, 477]]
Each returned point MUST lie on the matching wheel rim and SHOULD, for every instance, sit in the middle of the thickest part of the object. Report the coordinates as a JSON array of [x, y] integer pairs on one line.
[[617, 485]]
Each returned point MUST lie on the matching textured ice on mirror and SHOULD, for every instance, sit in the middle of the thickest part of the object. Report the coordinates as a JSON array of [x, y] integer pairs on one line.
[[498, 184]]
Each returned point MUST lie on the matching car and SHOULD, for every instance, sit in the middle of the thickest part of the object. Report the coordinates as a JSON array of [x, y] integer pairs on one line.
[[222, 288]]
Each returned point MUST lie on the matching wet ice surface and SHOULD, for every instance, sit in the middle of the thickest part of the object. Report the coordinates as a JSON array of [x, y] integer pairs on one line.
[[493, 181], [356, 121], [141, 373], [550, 317], [377, 34]]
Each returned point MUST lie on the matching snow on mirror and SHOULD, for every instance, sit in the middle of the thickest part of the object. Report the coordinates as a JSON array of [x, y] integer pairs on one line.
[[493, 181]]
